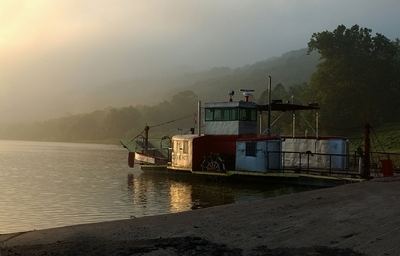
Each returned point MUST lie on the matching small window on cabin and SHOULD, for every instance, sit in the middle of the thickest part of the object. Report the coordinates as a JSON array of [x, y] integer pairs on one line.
[[253, 115], [243, 114], [209, 114], [217, 114], [234, 114], [175, 146], [251, 148], [185, 147], [226, 114]]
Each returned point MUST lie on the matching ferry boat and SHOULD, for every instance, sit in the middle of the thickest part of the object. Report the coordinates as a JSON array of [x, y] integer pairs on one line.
[[230, 140]]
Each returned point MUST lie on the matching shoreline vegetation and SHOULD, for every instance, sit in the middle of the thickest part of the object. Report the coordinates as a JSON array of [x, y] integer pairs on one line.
[[386, 139], [349, 220]]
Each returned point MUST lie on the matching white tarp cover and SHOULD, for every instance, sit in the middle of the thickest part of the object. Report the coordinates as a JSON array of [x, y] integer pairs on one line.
[[322, 146]]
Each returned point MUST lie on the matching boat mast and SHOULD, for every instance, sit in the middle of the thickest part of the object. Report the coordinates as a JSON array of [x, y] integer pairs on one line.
[[269, 105], [146, 137]]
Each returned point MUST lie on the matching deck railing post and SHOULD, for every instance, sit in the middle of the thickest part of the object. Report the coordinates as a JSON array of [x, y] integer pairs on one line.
[[355, 166], [367, 156], [300, 161]]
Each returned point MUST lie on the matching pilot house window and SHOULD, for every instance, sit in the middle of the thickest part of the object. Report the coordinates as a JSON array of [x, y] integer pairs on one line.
[[247, 114], [234, 114], [209, 114], [226, 114], [230, 114], [218, 114], [243, 114]]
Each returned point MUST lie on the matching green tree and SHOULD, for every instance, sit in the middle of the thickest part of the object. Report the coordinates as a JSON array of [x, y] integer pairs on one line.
[[358, 77]]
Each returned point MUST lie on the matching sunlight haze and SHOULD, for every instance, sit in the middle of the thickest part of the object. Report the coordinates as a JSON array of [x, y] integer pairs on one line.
[[57, 56]]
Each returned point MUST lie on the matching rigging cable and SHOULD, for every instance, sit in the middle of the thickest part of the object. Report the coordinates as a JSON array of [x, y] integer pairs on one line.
[[129, 141], [157, 125], [171, 121]]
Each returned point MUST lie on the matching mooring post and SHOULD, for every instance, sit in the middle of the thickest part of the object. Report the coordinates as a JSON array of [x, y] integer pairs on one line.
[[367, 152]]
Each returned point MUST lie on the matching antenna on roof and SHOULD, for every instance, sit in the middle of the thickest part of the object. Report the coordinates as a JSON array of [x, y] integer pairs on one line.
[[231, 93], [247, 93]]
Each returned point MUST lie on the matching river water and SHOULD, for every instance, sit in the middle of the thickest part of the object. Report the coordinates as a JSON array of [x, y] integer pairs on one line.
[[46, 184]]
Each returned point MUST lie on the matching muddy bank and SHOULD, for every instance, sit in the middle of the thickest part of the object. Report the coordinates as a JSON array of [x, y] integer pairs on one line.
[[165, 246], [356, 219]]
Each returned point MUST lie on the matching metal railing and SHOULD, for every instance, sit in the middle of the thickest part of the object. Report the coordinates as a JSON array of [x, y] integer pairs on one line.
[[313, 163], [378, 157], [328, 164]]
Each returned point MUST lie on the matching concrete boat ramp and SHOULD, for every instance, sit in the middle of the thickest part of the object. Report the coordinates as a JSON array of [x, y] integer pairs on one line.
[[354, 219]]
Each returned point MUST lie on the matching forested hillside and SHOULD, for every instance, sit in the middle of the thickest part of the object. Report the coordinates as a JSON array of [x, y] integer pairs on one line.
[[112, 124]]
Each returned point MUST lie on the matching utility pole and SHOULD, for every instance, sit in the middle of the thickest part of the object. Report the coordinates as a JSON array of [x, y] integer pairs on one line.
[[269, 105], [199, 117], [293, 120]]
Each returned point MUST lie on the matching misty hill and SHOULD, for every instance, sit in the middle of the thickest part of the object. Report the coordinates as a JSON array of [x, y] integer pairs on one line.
[[114, 123], [292, 68]]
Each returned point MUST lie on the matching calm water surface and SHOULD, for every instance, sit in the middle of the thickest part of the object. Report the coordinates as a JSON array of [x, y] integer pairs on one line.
[[44, 185]]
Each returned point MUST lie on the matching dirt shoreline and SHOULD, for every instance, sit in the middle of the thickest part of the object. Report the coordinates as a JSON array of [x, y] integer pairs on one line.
[[354, 219]]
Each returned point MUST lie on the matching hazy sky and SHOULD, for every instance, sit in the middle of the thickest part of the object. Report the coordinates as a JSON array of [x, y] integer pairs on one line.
[[50, 49]]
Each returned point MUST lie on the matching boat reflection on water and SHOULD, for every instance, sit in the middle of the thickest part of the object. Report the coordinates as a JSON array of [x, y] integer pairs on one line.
[[158, 193], [180, 196]]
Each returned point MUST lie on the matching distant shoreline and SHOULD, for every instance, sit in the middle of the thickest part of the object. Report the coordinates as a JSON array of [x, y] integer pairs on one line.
[[105, 142]]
